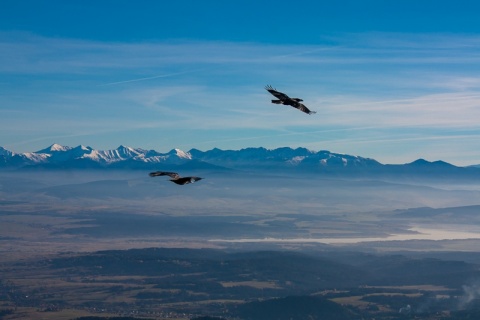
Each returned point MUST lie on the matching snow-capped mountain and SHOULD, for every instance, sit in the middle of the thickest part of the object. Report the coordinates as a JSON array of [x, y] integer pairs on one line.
[[266, 160], [4, 152], [54, 148], [288, 157], [64, 156]]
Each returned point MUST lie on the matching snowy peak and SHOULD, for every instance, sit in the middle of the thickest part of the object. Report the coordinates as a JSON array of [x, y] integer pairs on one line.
[[126, 152], [34, 157], [54, 148], [181, 154], [82, 148], [174, 156], [327, 158], [110, 156], [6, 153]]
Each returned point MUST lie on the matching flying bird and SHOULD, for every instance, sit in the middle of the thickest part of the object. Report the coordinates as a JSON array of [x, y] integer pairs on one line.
[[175, 177], [185, 180], [172, 175], [286, 100]]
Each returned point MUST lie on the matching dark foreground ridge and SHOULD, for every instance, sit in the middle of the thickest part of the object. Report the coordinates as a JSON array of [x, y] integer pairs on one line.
[[216, 284]]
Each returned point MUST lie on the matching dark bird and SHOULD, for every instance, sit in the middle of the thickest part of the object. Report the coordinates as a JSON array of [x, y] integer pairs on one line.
[[286, 100], [172, 175], [185, 180], [175, 177]]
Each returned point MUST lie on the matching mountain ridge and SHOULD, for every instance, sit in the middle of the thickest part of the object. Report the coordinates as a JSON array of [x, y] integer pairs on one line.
[[252, 158]]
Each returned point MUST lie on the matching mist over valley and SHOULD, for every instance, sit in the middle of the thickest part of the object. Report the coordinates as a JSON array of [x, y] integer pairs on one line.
[[255, 233]]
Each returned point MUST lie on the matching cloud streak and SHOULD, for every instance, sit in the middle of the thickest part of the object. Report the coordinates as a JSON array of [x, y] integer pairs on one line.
[[153, 77], [29, 53]]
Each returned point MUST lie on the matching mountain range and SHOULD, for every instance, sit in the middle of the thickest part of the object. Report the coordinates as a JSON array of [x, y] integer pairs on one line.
[[296, 160]]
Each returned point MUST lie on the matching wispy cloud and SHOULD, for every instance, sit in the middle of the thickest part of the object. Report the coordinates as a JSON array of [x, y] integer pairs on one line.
[[153, 77], [30, 53]]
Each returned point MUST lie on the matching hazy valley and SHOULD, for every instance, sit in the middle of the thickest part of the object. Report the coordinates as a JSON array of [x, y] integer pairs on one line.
[[363, 244]]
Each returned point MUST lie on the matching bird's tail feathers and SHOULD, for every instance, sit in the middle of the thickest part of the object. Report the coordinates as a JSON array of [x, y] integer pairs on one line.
[[277, 101]]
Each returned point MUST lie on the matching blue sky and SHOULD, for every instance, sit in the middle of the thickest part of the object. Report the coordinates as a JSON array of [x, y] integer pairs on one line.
[[391, 80]]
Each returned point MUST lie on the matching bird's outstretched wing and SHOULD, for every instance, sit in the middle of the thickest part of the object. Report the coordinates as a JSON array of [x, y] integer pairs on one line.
[[303, 108], [279, 95], [185, 180], [172, 175]]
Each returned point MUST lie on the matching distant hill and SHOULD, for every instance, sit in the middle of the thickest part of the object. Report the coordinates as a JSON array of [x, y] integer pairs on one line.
[[299, 160]]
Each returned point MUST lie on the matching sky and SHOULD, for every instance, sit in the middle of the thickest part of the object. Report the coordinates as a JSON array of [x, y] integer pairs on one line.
[[389, 80]]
